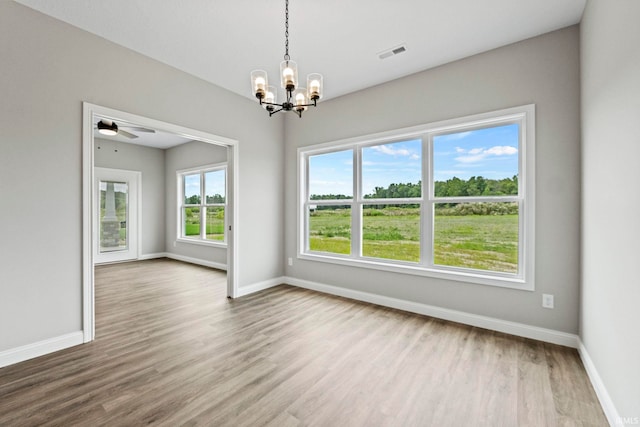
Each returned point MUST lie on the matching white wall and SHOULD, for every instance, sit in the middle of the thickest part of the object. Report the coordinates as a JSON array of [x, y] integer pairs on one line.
[[48, 69], [610, 46], [543, 71], [185, 156], [150, 162]]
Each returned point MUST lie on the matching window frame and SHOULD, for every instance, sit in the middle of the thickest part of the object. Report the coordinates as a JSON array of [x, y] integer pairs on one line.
[[180, 230], [522, 280]]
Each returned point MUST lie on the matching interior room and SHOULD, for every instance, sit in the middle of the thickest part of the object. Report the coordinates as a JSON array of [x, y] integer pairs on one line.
[[302, 266]]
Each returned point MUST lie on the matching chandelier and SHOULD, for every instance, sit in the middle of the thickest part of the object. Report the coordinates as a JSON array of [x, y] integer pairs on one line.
[[298, 99]]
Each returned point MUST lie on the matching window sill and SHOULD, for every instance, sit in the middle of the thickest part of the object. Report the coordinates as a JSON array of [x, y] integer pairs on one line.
[[418, 270], [211, 243]]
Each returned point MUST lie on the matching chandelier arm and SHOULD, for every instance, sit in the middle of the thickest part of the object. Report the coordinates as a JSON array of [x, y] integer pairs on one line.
[[308, 105], [271, 113]]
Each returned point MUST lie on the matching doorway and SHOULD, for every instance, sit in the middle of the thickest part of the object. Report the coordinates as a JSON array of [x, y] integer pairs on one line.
[[114, 193], [116, 220]]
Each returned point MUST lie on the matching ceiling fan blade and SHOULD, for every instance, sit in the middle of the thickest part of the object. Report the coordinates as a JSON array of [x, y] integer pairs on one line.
[[139, 129], [127, 134]]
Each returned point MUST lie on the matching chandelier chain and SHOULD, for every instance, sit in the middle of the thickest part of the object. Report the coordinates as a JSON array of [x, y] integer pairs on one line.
[[286, 31]]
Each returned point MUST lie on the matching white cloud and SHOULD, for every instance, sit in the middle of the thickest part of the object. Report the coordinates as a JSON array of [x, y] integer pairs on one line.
[[460, 150], [386, 149], [471, 159], [478, 154], [502, 150]]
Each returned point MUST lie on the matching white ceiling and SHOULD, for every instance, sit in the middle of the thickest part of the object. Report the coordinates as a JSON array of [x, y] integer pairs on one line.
[[155, 139], [222, 42]]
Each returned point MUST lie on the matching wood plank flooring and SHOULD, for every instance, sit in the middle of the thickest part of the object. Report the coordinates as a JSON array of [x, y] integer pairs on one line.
[[172, 350]]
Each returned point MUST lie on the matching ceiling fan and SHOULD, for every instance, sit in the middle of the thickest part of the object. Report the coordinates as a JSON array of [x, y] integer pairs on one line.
[[110, 128]]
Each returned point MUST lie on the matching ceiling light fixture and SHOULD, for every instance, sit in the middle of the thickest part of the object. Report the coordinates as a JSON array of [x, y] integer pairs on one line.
[[107, 127], [298, 99]]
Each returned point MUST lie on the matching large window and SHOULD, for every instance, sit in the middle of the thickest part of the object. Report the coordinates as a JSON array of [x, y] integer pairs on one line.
[[452, 199], [202, 204]]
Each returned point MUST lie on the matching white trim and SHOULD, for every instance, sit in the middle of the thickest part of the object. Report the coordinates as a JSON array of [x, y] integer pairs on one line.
[[523, 279], [155, 255], [88, 301], [198, 241], [203, 205], [190, 260], [40, 348], [608, 407], [212, 264], [469, 276], [505, 326], [134, 179], [260, 286], [232, 145]]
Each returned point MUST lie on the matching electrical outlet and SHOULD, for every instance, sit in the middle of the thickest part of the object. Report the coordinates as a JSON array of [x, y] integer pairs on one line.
[[547, 300], [290, 261]]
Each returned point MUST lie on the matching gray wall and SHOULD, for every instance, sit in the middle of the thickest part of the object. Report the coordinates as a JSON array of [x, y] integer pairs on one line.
[[48, 69], [150, 162], [185, 156], [610, 48], [543, 71]]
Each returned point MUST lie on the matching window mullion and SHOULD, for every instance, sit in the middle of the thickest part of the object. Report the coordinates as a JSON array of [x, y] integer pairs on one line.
[[426, 213], [356, 205], [203, 209]]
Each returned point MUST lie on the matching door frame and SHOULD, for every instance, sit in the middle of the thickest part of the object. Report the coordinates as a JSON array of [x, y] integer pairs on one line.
[[134, 178], [88, 202]]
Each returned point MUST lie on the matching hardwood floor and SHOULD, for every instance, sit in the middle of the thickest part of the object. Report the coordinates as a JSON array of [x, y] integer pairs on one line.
[[171, 350]]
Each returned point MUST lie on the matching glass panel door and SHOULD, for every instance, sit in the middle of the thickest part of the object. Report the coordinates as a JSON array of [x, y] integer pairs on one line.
[[114, 214]]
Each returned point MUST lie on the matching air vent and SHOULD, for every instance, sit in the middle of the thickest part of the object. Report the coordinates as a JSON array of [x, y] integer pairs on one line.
[[393, 51]]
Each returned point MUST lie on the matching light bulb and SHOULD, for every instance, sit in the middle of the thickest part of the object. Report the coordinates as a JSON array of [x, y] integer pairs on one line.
[[269, 97], [287, 73]]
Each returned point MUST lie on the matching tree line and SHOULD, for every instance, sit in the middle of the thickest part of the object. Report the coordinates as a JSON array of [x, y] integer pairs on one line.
[[454, 187], [195, 199]]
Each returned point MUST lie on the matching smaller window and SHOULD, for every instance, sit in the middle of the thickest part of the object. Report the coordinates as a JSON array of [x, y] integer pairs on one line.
[[203, 204]]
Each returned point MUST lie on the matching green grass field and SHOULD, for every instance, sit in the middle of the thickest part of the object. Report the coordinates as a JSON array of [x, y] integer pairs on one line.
[[485, 242], [215, 223]]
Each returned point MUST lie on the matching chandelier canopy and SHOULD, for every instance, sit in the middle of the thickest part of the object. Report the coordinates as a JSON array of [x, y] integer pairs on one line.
[[298, 99]]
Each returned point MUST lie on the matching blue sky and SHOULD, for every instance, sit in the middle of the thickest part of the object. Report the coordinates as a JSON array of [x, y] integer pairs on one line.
[[398, 162], [214, 183], [381, 165], [490, 152]]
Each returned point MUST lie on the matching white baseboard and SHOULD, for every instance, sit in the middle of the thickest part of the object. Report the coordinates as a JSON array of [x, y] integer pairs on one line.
[[260, 286], [216, 265], [144, 257], [40, 348], [513, 328], [608, 407]]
